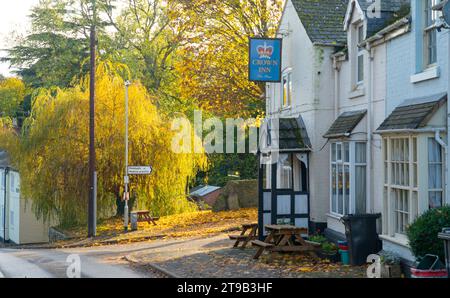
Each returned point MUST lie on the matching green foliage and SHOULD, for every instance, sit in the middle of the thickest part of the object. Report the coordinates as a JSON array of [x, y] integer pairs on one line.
[[318, 239], [56, 50], [229, 167], [329, 248], [423, 233], [12, 93], [389, 259]]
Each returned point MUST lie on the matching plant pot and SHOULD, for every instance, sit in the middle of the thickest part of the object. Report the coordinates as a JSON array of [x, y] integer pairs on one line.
[[391, 271], [333, 257]]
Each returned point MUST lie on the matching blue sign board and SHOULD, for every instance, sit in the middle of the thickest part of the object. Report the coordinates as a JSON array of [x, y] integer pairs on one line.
[[265, 59]]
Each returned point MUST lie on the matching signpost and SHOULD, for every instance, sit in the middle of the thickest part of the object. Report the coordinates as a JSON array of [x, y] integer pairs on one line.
[[139, 170], [265, 59]]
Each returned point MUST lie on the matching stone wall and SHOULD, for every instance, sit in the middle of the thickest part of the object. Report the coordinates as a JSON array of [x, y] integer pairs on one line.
[[238, 194]]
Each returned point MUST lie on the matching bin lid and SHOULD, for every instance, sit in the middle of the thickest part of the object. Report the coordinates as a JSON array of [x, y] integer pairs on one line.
[[445, 235], [354, 216]]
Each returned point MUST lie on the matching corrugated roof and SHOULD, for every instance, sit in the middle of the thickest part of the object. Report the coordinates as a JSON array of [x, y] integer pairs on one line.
[[345, 124], [323, 20], [203, 190], [414, 113]]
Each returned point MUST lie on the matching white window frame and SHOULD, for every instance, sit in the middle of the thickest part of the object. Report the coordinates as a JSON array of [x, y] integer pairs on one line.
[[343, 163], [429, 18], [401, 164], [287, 74], [359, 29], [442, 167]]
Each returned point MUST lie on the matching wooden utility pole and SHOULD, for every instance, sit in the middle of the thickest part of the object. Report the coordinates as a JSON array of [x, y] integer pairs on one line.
[[92, 164]]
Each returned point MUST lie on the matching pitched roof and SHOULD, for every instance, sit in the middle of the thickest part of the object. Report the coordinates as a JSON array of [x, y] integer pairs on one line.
[[323, 20], [389, 9], [413, 113], [345, 124]]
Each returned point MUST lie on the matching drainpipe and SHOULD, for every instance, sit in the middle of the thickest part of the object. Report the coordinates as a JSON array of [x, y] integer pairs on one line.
[[437, 137], [370, 201], [336, 87], [4, 205]]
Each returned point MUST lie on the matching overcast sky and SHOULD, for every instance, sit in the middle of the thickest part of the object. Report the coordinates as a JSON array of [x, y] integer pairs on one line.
[[13, 17]]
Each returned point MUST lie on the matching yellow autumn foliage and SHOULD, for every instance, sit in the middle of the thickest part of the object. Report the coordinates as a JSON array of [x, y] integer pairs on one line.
[[52, 153]]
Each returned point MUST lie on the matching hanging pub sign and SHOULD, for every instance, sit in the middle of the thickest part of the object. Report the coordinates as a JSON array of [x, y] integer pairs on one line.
[[265, 60]]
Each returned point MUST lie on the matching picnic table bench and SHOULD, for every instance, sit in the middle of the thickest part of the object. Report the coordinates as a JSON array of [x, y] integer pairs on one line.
[[285, 238], [145, 216], [243, 237]]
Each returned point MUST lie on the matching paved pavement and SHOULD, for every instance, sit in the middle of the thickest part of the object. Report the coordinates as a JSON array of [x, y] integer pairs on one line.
[[214, 257], [195, 257], [105, 262]]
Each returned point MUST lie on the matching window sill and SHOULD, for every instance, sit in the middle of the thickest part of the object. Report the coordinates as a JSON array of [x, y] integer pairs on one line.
[[335, 216], [428, 74], [358, 92], [396, 240]]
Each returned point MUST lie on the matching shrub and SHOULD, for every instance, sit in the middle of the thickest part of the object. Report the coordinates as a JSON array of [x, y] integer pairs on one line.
[[423, 233], [318, 239], [329, 248]]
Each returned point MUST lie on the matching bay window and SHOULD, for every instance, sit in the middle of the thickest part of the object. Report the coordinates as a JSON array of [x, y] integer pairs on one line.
[[401, 189], [348, 178], [409, 192]]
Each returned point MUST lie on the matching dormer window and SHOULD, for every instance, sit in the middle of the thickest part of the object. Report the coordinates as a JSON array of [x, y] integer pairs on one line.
[[360, 55], [430, 32]]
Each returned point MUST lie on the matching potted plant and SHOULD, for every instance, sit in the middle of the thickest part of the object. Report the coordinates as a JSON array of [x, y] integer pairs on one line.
[[426, 245], [329, 251], [390, 266]]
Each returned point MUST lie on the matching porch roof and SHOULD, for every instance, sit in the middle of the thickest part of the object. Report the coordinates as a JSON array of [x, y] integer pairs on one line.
[[292, 135], [345, 124], [413, 113]]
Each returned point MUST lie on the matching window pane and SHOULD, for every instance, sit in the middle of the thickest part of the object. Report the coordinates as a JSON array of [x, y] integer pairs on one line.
[[290, 89], [346, 190], [434, 164], [360, 190], [435, 199], [339, 152], [267, 176], [333, 152], [333, 189], [340, 189], [434, 151], [360, 68], [285, 90], [360, 153], [360, 34], [347, 152], [284, 172]]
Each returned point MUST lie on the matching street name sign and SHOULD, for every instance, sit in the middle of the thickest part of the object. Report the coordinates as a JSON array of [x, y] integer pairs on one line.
[[139, 170]]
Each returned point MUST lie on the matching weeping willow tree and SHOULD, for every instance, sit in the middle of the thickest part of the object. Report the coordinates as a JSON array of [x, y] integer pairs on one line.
[[52, 152]]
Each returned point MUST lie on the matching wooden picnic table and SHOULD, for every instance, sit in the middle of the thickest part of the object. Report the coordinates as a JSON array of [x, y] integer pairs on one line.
[[285, 238], [145, 216], [243, 237]]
